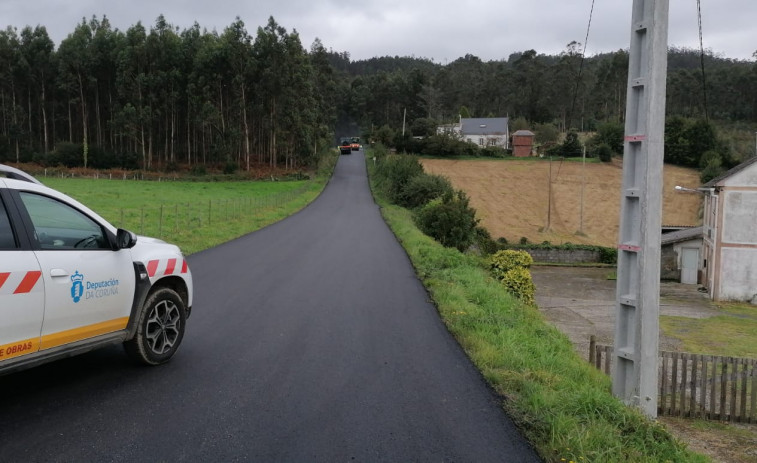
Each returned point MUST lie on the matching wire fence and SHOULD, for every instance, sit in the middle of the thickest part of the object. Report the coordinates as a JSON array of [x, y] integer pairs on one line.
[[166, 219]]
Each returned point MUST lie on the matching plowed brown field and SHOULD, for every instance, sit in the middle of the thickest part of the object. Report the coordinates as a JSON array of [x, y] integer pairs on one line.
[[511, 198]]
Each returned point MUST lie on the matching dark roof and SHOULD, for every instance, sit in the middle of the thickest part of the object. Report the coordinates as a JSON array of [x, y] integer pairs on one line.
[[484, 126], [733, 171], [681, 235]]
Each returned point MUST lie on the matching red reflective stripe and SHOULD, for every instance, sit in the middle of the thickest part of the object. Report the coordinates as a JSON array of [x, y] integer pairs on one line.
[[3, 277], [27, 284], [152, 267], [171, 266], [184, 267]]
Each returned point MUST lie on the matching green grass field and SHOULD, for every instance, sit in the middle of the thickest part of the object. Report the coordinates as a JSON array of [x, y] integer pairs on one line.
[[733, 333], [192, 215]]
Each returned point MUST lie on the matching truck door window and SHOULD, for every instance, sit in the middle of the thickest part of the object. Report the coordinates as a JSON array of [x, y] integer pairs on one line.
[[59, 226]]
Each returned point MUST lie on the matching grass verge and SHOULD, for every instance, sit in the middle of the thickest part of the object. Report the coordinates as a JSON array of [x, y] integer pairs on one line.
[[733, 334], [561, 403]]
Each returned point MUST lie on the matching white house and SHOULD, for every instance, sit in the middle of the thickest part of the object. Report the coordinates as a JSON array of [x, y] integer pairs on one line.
[[730, 234], [483, 131]]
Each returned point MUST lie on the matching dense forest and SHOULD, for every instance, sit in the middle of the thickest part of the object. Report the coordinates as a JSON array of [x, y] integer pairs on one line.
[[158, 97]]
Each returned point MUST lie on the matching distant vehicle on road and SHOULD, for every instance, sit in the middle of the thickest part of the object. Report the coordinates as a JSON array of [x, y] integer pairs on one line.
[[345, 145], [355, 144]]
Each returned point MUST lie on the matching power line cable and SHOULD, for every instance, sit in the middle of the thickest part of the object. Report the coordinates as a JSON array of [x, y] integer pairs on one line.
[[581, 67], [701, 59]]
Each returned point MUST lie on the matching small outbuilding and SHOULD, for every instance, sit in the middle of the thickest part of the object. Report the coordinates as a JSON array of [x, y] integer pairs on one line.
[[680, 257], [523, 143]]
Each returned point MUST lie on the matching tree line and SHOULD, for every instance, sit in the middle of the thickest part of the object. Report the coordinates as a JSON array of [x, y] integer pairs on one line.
[[161, 97], [545, 92], [156, 97]]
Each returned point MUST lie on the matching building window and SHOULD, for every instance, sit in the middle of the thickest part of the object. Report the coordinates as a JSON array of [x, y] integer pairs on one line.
[[481, 141]]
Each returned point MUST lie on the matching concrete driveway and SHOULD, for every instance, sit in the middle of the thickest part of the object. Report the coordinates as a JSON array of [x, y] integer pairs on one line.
[[580, 301]]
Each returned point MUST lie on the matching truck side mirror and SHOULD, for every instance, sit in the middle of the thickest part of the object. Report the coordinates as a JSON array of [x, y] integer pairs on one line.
[[125, 239]]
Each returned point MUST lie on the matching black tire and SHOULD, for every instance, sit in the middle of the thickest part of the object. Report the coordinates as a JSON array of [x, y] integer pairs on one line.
[[160, 328]]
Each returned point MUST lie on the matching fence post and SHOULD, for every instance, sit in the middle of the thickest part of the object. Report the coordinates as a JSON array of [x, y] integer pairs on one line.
[[714, 387], [662, 400], [210, 210], [684, 380], [694, 382], [592, 349], [734, 379], [743, 376], [754, 395], [703, 392]]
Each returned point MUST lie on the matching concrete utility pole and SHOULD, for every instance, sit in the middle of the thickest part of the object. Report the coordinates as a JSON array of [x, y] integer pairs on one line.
[[634, 378]]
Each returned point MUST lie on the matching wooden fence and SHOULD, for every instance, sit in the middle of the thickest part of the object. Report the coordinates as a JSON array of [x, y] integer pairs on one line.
[[698, 386]]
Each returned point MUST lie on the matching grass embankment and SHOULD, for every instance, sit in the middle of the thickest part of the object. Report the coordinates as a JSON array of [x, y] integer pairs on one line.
[[563, 405], [193, 215]]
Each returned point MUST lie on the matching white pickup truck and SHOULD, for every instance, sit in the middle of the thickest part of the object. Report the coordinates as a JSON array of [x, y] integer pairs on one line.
[[71, 282]]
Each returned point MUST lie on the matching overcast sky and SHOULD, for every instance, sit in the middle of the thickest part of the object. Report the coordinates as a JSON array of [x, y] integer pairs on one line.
[[442, 30]]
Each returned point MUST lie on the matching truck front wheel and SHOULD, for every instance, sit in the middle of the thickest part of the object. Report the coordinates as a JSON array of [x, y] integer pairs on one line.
[[160, 328]]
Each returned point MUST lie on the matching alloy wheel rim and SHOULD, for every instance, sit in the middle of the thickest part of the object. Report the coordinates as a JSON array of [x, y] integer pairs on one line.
[[163, 327]]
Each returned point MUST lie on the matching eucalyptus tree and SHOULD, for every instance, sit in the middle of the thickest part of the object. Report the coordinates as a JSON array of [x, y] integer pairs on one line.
[[75, 74], [236, 49], [11, 69], [133, 117], [38, 50], [269, 51], [163, 46]]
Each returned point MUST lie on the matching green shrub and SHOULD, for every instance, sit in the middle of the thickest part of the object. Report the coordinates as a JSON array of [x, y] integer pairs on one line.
[[199, 170], [395, 172], [504, 261], [484, 242], [449, 220], [493, 152], [67, 154], [379, 151], [610, 134], [519, 283], [604, 152], [607, 255], [423, 188], [511, 268], [230, 167]]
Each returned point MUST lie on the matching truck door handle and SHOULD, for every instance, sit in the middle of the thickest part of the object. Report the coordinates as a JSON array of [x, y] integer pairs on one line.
[[58, 272]]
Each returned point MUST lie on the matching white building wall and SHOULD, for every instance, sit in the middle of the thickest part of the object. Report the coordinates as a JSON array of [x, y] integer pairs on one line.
[[738, 275], [740, 221]]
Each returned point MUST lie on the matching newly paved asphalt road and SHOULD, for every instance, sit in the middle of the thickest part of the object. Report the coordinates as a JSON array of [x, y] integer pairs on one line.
[[310, 340]]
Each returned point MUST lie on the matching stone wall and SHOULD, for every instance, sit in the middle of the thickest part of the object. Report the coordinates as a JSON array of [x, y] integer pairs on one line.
[[563, 256]]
